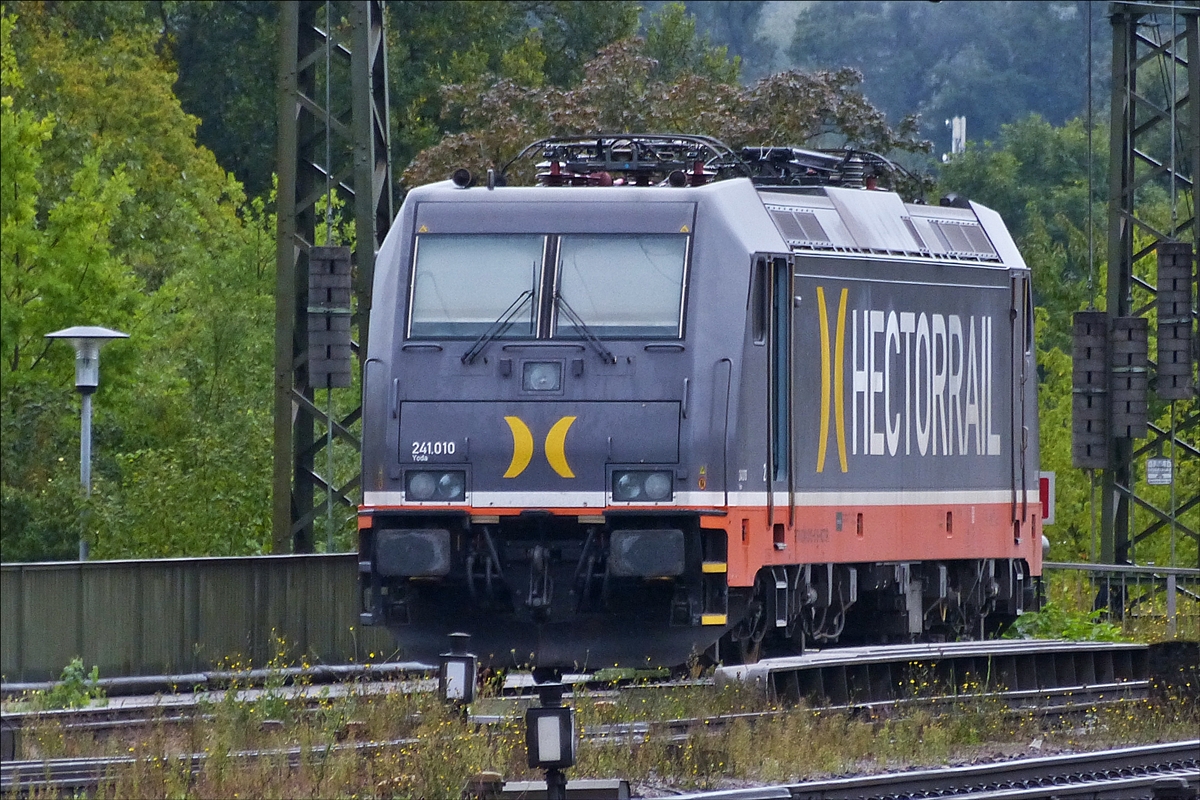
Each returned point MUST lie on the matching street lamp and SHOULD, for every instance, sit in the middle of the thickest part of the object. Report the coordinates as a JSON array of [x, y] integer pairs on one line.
[[87, 341]]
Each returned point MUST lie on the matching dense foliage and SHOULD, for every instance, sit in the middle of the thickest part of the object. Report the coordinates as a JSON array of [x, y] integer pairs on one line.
[[625, 89], [136, 178], [113, 216], [1036, 176], [993, 62]]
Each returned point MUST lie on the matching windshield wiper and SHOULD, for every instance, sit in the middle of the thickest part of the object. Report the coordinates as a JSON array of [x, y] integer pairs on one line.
[[497, 328], [605, 354]]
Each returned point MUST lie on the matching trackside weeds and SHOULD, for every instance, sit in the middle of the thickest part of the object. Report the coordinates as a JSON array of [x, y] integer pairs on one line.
[[442, 750]]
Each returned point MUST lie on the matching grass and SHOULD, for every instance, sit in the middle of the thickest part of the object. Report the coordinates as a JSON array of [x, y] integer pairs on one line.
[[445, 750], [1073, 593]]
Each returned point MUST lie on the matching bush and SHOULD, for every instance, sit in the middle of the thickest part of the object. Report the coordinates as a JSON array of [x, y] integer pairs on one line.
[[1054, 622], [75, 689]]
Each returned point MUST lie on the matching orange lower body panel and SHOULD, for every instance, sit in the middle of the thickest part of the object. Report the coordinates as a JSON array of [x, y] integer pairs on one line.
[[819, 535]]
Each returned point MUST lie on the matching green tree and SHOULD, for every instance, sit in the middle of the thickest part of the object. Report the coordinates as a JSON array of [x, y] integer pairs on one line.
[[626, 90], [673, 41], [226, 54], [1035, 176], [737, 24], [532, 43], [118, 218], [992, 61], [206, 387], [56, 268]]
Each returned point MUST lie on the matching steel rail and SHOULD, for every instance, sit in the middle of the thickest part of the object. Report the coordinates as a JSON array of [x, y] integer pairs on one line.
[[1057, 704], [1127, 764], [219, 679], [1172, 784], [1063, 701], [1124, 774], [84, 774], [1104, 773]]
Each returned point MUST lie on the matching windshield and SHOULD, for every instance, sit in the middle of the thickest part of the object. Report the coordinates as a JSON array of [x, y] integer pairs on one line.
[[463, 284], [622, 285]]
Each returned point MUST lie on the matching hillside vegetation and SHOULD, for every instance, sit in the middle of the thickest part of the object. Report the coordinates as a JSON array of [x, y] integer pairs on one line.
[[136, 193]]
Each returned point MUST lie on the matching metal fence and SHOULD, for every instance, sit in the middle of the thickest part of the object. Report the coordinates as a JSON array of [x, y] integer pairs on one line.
[[170, 616], [1146, 600]]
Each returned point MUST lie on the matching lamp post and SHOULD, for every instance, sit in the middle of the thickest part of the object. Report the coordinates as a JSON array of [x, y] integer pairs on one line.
[[87, 341]]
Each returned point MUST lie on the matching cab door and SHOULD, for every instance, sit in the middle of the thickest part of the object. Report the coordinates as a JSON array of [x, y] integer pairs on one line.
[[780, 401]]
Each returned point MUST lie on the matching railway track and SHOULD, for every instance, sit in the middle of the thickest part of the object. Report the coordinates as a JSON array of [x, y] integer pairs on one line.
[[1044, 677], [1155, 772], [102, 721], [217, 680], [76, 775], [867, 680], [1094, 774]]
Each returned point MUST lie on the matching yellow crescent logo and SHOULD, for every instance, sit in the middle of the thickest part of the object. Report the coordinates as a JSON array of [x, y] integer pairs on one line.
[[556, 441], [837, 368], [522, 446]]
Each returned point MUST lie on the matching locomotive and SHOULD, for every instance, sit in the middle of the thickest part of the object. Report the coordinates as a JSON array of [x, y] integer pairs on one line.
[[675, 400]]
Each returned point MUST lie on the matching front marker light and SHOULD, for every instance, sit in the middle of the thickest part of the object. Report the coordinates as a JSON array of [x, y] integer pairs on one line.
[[658, 485], [642, 485], [448, 486]]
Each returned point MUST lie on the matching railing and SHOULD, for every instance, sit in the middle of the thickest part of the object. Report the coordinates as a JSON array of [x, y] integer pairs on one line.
[[169, 616], [184, 615], [1145, 600]]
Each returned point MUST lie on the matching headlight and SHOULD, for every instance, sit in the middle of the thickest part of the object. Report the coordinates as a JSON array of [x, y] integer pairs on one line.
[[626, 486], [412, 553], [658, 485], [541, 376], [421, 485], [429, 485], [657, 553], [645, 485], [451, 486]]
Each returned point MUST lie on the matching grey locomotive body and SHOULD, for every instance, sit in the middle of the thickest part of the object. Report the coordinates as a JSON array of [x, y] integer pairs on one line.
[[614, 424]]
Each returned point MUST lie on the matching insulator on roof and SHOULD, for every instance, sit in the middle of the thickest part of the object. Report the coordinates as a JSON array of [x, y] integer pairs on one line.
[[852, 173]]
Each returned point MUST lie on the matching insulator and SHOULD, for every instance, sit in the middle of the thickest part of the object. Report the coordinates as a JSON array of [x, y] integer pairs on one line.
[[1176, 264], [852, 172], [1130, 358], [329, 317], [1089, 391]]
